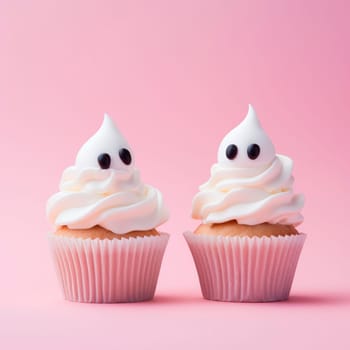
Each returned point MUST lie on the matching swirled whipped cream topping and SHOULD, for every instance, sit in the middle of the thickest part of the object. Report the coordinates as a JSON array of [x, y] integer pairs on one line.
[[104, 188], [250, 183]]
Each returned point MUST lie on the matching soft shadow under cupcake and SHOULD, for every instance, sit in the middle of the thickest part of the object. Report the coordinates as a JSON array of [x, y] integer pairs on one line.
[[320, 299]]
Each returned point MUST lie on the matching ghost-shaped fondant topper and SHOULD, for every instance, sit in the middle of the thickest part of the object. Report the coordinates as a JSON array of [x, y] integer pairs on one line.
[[247, 145], [106, 149]]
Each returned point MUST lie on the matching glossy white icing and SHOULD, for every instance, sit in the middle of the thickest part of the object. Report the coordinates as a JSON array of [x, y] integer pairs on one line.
[[251, 191], [114, 198]]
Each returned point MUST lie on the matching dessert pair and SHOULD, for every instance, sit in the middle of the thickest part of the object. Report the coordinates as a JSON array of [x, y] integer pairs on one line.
[[106, 246]]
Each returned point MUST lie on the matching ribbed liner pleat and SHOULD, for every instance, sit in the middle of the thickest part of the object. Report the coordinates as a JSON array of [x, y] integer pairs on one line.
[[108, 271], [245, 269]]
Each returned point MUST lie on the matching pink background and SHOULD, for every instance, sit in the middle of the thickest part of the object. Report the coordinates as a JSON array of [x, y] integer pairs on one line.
[[176, 76]]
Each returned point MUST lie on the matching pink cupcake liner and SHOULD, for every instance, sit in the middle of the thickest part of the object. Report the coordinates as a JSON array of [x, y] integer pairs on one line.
[[243, 269], [108, 271]]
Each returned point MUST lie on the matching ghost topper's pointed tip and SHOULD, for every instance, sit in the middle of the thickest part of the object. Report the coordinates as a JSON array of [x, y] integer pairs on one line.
[[250, 108], [251, 116], [108, 122], [106, 118]]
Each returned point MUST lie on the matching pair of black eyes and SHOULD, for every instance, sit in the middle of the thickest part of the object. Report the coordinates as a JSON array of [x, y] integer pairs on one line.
[[104, 159], [253, 151]]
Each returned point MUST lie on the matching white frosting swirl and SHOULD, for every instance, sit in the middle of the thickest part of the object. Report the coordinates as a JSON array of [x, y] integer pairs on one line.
[[114, 198], [251, 191]]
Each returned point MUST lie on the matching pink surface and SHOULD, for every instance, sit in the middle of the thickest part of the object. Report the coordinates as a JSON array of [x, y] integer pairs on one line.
[[176, 76]]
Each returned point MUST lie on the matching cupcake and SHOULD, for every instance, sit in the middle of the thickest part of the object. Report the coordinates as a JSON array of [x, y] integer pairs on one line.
[[247, 247], [106, 246]]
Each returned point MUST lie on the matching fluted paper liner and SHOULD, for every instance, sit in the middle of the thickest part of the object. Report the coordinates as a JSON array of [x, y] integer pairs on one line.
[[245, 269], [108, 271]]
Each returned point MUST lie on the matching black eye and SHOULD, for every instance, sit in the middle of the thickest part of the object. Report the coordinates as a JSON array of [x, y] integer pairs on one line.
[[125, 156], [231, 151], [253, 151], [104, 160]]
